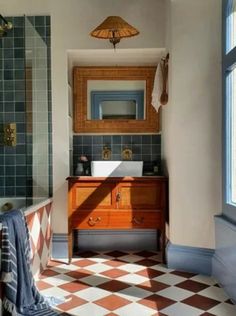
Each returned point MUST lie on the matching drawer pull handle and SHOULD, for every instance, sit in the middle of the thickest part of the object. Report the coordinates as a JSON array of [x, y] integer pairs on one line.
[[137, 220], [118, 197], [93, 222]]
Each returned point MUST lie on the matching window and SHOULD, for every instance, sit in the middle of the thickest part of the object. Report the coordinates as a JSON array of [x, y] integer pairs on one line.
[[229, 106]]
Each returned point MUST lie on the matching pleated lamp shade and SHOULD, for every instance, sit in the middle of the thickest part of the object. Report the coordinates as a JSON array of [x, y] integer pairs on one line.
[[114, 28]]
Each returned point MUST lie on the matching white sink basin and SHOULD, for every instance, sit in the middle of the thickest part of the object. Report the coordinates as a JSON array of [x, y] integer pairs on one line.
[[116, 168]]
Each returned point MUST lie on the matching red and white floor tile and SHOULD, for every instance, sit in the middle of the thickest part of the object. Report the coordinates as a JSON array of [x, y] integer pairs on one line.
[[128, 284]]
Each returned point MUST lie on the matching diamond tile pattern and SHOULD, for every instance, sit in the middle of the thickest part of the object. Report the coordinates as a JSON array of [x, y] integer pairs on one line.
[[101, 284], [39, 224]]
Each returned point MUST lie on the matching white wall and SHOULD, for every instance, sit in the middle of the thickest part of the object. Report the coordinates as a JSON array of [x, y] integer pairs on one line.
[[192, 121], [72, 20]]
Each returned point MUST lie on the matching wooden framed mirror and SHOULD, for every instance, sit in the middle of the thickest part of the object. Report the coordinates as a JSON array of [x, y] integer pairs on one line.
[[114, 100]]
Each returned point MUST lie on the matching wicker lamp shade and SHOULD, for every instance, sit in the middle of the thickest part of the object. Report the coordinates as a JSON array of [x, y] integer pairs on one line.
[[114, 28]]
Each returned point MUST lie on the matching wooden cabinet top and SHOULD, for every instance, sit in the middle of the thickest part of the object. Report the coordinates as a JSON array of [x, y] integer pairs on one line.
[[112, 179]]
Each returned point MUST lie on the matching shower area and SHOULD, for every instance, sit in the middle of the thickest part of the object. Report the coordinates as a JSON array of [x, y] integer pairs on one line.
[[25, 112]]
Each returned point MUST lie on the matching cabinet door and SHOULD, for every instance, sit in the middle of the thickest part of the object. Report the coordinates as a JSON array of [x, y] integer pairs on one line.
[[93, 195], [140, 195]]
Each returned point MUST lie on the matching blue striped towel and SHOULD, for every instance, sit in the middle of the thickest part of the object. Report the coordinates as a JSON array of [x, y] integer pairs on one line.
[[21, 297]]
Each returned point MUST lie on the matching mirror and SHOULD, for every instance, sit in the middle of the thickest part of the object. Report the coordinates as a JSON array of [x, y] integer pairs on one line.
[[114, 99], [118, 104]]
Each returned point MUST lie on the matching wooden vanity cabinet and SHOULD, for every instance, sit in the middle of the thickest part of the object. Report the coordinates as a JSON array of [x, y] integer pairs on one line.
[[117, 203]]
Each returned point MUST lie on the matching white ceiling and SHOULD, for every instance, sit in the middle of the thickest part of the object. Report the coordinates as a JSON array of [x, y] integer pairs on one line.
[[111, 57]]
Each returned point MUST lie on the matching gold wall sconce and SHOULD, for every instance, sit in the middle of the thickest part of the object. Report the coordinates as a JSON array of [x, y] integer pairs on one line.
[[9, 134], [114, 28]]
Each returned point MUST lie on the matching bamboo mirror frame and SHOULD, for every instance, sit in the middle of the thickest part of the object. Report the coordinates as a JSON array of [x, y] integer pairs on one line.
[[82, 124]]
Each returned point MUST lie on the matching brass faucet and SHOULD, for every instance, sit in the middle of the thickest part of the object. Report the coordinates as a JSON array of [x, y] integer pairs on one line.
[[127, 154], [106, 153]]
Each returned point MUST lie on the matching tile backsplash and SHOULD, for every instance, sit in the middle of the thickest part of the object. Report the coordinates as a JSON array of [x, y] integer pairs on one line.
[[144, 147]]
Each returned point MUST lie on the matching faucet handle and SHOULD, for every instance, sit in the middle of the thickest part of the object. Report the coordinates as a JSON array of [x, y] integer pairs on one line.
[[127, 154], [106, 153]]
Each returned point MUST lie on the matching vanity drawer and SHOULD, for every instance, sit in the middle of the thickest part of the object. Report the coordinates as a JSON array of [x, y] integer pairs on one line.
[[116, 219]]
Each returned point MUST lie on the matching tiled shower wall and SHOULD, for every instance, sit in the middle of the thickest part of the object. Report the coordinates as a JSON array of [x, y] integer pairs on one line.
[[144, 147], [16, 162]]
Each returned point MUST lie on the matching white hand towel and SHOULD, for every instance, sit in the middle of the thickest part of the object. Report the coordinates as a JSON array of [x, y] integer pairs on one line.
[[157, 88]]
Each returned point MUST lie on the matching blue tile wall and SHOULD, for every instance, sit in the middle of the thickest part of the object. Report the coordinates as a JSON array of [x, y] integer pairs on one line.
[[144, 147], [16, 162]]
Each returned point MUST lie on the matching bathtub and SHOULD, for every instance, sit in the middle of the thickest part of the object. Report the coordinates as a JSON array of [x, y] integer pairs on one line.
[[17, 202], [22, 203]]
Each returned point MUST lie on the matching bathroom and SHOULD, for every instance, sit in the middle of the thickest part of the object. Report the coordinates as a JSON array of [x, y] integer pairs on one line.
[[188, 147]]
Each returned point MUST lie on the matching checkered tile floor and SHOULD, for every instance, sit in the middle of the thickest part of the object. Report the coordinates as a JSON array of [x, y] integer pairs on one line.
[[130, 284]]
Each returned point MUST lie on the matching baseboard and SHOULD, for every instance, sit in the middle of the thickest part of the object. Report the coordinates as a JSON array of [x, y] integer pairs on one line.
[[190, 259], [223, 263], [59, 246], [102, 240]]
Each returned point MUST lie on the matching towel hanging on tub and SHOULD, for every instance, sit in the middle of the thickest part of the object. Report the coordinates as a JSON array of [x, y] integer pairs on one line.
[[21, 297]]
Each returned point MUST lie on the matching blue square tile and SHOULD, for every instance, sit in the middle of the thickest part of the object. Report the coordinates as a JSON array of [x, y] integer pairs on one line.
[[48, 20], [97, 149], [146, 139], [10, 171], [87, 140], [8, 75], [116, 139], [8, 42], [21, 170], [10, 181], [116, 149], [146, 150], [97, 140], [107, 140], [9, 107], [146, 158], [19, 74], [136, 139], [19, 64], [77, 140], [10, 150], [19, 106], [40, 20], [8, 96], [18, 31], [10, 160], [20, 160], [2, 170], [19, 96], [18, 21], [126, 139], [20, 127], [87, 150], [9, 191], [19, 42], [8, 64], [20, 191], [19, 53], [20, 181], [156, 139], [19, 85], [2, 191], [9, 117]]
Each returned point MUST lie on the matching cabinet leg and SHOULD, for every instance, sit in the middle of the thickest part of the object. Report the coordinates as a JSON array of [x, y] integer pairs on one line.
[[70, 245], [163, 246]]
